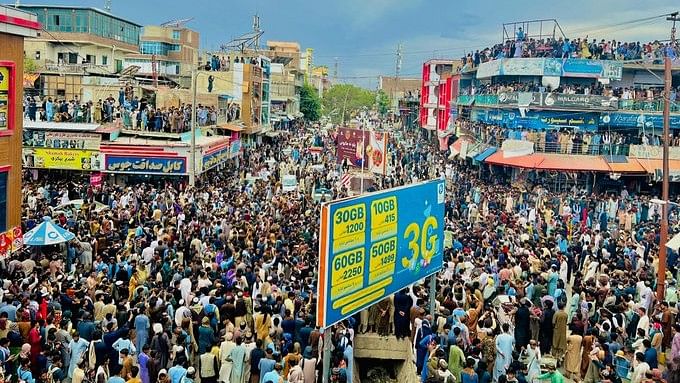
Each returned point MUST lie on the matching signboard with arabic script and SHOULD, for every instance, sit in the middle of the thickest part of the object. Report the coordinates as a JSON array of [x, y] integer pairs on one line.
[[146, 165]]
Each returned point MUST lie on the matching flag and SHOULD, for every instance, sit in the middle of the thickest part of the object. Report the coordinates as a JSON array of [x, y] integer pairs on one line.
[[345, 180]]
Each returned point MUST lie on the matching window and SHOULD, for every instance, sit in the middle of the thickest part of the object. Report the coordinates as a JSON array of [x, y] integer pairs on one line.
[[3, 200], [61, 92], [37, 55], [56, 20], [73, 58], [119, 65], [105, 60], [176, 35]]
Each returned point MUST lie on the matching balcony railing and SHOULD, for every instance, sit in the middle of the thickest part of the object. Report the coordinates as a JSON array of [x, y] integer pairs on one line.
[[75, 68], [564, 101]]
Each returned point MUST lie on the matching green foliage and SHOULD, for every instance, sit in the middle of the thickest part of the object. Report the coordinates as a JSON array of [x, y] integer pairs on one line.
[[29, 65], [383, 102], [342, 101], [310, 105]]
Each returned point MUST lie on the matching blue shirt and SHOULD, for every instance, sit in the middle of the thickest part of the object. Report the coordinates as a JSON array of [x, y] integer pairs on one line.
[[116, 379], [651, 358], [176, 373], [270, 377]]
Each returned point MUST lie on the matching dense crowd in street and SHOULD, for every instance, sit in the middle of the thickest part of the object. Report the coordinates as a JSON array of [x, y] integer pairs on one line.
[[217, 283]]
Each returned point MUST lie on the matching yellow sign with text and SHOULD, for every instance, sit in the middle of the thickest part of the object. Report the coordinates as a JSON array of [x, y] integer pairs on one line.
[[63, 159]]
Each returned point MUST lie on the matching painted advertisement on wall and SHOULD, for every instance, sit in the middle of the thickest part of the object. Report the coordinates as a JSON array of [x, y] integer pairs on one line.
[[61, 140], [146, 165], [7, 81]]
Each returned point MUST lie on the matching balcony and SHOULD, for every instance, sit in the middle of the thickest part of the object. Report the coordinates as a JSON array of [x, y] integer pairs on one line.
[[563, 101], [75, 68]]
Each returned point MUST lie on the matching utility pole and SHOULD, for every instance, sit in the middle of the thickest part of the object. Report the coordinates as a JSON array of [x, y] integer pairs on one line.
[[661, 279], [335, 71], [256, 29], [396, 77], [107, 6], [192, 171]]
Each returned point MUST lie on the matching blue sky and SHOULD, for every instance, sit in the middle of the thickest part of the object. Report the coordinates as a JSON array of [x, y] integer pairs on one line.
[[364, 34]]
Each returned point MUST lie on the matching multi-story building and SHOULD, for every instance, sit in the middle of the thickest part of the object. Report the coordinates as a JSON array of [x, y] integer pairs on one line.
[[15, 25], [78, 42], [172, 50], [587, 123], [398, 88], [435, 94]]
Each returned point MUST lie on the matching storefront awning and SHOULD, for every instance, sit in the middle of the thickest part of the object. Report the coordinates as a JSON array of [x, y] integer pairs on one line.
[[485, 154], [573, 163], [627, 165], [528, 162], [474, 150], [233, 128]]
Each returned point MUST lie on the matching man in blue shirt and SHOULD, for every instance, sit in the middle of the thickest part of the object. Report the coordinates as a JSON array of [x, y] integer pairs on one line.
[[273, 376], [650, 354], [176, 373]]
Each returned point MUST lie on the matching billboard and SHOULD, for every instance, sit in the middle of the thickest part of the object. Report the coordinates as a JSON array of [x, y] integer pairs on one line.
[[376, 244], [364, 149], [146, 165], [61, 140], [67, 159]]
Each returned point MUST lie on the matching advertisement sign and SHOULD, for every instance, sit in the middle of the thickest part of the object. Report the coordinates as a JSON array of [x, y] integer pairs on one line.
[[520, 98], [581, 68], [654, 152], [489, 69], [96, 179], [61, 140], [376, 244], [363, 149], [580, 101], [66, 159], [235, 148], [7, 81], [216, 158], [289, 183], [552, 67], [522, 67], [637, 120], [11, 240], [537, 120], [146, 165]]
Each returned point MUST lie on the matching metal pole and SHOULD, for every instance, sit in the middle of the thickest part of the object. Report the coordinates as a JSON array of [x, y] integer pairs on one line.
[[326, 355], [664, 186], [433, 293], [363, 160], [192, 171]]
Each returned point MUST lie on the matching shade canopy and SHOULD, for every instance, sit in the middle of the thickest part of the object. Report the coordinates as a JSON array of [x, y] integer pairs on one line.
[[47, 233]]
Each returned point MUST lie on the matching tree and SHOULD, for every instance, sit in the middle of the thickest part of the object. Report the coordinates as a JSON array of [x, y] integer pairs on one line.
[[310, 105], [342, 101], [383, 101], [29, 65]]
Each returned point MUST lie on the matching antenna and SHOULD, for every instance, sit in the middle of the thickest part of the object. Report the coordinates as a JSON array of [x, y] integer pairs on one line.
[[179, 23], [17, 3], [257, 30], [107, 5]]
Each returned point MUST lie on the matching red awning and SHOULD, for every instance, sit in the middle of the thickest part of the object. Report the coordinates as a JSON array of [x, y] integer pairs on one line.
[[530, 161], [631, 166], [574, 163], [652, 165]]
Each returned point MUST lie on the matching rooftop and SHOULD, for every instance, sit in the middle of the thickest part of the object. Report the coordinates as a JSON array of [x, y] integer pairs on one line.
[[33, 6]]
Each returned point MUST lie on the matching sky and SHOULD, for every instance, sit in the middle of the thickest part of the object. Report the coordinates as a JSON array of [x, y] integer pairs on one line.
[[363, 35]]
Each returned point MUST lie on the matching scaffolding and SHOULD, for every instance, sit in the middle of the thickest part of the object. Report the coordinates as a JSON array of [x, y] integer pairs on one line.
[[533, 29]]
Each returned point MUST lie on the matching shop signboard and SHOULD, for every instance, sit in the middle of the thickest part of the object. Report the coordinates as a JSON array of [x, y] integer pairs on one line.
[[235, 148], [524, 99], [366, 149], [61, 140], [215, 158], [537, 120], [146, 165], [7, 94], [581, 68], [579, 101], [65, 159], [376, 244], [638, 120], [489, 69]]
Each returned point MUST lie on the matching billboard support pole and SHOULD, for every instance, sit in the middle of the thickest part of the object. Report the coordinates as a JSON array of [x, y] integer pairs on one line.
[[363, 150], [326, 355], [433, 292]]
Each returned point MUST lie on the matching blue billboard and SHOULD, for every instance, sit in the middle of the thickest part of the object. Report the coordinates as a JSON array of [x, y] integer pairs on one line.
[[638, 120], [537, 120], [376, 244]]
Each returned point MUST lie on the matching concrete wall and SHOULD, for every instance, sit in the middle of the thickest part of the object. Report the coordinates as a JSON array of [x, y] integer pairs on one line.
[[373, 346], [49, 52]]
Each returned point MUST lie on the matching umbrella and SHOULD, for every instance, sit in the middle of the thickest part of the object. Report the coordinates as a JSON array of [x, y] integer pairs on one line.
[[47, 233]]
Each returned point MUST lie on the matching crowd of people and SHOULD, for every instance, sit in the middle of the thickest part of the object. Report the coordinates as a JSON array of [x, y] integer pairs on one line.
[[134, 112], [652, 52], [217, 283]]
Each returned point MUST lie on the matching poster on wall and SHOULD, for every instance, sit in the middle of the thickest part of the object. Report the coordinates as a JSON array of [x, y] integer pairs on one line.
[[67, 159], [363, 149], [6, 95], [61, 140]]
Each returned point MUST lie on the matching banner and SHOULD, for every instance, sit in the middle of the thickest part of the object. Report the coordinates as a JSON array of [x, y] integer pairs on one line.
[[61, 140], [363, 149], [235, 148], [580, 101], [489, 69], [146, 165], [537, 120], [581, 68], [216, 158], [555, 67], [11, 241], [516, 148], [96, 179], [520, 98], [375, 245], [522, 67], [637, 120], [65, 159], [653, 152]]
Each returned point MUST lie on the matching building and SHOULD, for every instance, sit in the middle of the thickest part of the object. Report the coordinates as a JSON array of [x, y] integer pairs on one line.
[[397, 88], [170, 52], [15, 26], [80, 51], [435, 94], [592, 124]]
